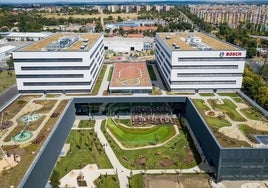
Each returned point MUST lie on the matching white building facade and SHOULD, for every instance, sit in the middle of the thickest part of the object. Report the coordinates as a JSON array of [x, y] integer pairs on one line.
[[70, 70], [186, 68]]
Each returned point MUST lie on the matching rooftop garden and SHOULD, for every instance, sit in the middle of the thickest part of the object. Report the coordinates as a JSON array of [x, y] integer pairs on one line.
[[179, 152], [215, 122]]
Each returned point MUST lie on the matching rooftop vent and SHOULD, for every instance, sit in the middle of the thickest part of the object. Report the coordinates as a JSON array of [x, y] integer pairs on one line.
[[64, 42]]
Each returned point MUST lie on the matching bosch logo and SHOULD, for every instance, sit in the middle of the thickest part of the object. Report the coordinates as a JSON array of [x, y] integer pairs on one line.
[[221, 54], [233, 54]]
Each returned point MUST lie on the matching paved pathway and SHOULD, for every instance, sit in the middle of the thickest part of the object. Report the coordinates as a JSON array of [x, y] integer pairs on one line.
[[123, 173], [105, 83]]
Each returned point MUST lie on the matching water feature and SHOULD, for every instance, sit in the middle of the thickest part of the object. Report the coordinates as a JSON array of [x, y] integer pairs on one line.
[[23, 136], [30, 118]]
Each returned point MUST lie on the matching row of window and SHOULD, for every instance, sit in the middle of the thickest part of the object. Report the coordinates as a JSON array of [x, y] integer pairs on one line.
[[50, 76], [54, 83], [56, 68], [209, 74], [22, 60], [211, 59], [203, 82], [205, 67], [162, 48]]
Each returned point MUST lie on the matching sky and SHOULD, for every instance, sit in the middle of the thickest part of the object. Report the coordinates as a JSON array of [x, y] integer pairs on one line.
[[85, 1]]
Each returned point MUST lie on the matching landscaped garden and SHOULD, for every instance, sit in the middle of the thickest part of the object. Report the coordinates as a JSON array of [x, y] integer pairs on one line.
[[250, 132], [105, 181], [137, 137], [86, 123], [227, 107], [85, 148], [253, 113], [27, 153], [179, 152], [215, 122]]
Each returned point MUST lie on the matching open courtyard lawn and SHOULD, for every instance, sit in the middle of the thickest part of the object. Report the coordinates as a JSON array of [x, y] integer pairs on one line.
[[249, 132], [228, 94], [85, 149], [137, 137], [86, 123], [105, 181], [228, 107], [7, 79], [151, 72], [177, 153], [136, 181], [99, 81], [253, 113]]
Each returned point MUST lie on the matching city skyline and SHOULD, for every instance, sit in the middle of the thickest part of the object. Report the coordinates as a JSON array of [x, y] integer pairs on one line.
[[120, 1]]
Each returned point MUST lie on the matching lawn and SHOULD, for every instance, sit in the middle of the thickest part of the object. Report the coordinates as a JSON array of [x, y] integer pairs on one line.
[[86, 123], [228, 107], [105, 181], [7, 79], [238, 99], [136, 181], [253, 113], [249, 132], [99, 81], [85, 149], [177, 153], [207, 94], [137, 137], [151, 72], [228, 94], [126, 122], [110, 74]]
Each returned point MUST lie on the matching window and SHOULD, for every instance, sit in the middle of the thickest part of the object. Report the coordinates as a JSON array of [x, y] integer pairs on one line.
[[209, 74], [51, 76], [55, 83], [22, 60], [204, 82], [205, 67], [56, 68]]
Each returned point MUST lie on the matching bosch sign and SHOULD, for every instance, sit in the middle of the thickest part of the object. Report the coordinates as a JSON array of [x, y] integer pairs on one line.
[[234, 54], [230, 54]]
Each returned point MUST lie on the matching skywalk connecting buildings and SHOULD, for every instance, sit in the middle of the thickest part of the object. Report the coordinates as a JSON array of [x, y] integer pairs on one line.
[[63, 62], [196, 62]]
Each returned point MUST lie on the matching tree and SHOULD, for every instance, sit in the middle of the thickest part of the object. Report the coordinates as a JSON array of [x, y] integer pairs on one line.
[[55, 179], [10, 63]]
